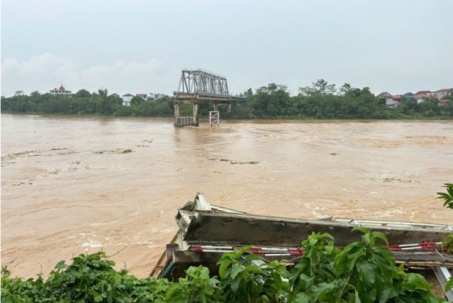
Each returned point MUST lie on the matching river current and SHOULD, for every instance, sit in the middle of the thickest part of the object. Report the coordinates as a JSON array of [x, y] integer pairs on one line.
[[73, 185]]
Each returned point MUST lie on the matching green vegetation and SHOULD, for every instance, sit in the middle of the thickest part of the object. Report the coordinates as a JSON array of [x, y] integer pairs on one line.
[[447, 244], [86, 103], [319, 101], [364, 271], [448, 196], [324, 101]]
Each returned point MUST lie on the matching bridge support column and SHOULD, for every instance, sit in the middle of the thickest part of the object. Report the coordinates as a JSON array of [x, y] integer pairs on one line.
[[176, 109], [195, 113], [187, 120]]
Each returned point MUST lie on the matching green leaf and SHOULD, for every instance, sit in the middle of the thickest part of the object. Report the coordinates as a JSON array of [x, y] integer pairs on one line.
[[350, 255], [362, 229], [357, 298], [235, 284], [173, 289], [366, 272], [252, 257], [253, 268], [306, 282], [321, 290], [387, 294], [379, 235], [417, 282], [224, 264], [448, 196], [60, 265], [97, 297], [303, 298], [235, 271]]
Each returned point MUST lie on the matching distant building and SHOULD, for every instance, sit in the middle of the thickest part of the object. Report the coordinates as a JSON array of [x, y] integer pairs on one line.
[[60, 91], [155, 96], [420, 96], [384, 95], [393, 101], [426, 92], [19, 93], [390, 100], [143, 96], [127, 98], [444, 92], [408, 95]]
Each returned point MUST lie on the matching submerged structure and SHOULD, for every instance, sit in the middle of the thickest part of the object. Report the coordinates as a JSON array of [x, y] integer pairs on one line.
[[207, 231]]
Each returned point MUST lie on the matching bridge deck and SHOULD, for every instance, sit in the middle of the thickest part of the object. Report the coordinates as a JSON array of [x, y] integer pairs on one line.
[[183, 97]]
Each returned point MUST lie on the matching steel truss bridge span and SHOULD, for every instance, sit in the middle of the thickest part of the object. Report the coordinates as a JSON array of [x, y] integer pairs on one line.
[[198, 85], [199, 81]]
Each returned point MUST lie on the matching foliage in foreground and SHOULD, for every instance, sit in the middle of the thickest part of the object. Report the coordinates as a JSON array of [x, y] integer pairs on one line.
[[447, 244], [448, 196], [364, 271]]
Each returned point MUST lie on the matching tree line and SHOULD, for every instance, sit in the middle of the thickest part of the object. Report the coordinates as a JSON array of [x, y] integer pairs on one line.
[[319, 101], [85, 103]]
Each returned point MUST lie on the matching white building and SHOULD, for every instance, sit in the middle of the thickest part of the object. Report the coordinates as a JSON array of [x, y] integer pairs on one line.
[[390, 100], [127, 99]]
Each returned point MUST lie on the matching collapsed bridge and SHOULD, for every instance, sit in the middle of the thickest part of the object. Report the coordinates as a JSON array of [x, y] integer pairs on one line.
[[198, 85]]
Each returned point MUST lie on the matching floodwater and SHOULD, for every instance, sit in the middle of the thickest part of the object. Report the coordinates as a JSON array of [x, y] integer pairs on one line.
[[72, 185]]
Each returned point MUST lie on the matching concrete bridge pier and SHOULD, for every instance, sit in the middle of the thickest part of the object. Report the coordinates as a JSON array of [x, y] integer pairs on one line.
[[186, 120]]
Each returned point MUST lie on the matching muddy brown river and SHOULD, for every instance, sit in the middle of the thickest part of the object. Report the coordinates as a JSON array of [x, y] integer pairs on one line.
[[74, 185]]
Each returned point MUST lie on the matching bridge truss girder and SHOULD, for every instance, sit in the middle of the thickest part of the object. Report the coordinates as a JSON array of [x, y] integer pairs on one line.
[[199, 81]]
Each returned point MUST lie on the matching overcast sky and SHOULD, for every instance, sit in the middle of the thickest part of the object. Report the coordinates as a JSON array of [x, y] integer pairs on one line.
[[141, 46]]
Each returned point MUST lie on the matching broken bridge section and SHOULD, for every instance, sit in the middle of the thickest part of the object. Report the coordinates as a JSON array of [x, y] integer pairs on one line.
[[198, 85]]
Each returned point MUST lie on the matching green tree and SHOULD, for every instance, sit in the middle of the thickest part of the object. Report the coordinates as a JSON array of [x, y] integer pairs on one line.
[[429, 107], [6, 104], [83, 93], [105, 104], [447, 109], [21, 104], [321, 87], [409, 107], [137, 101], [272, 100], [345, 89]]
